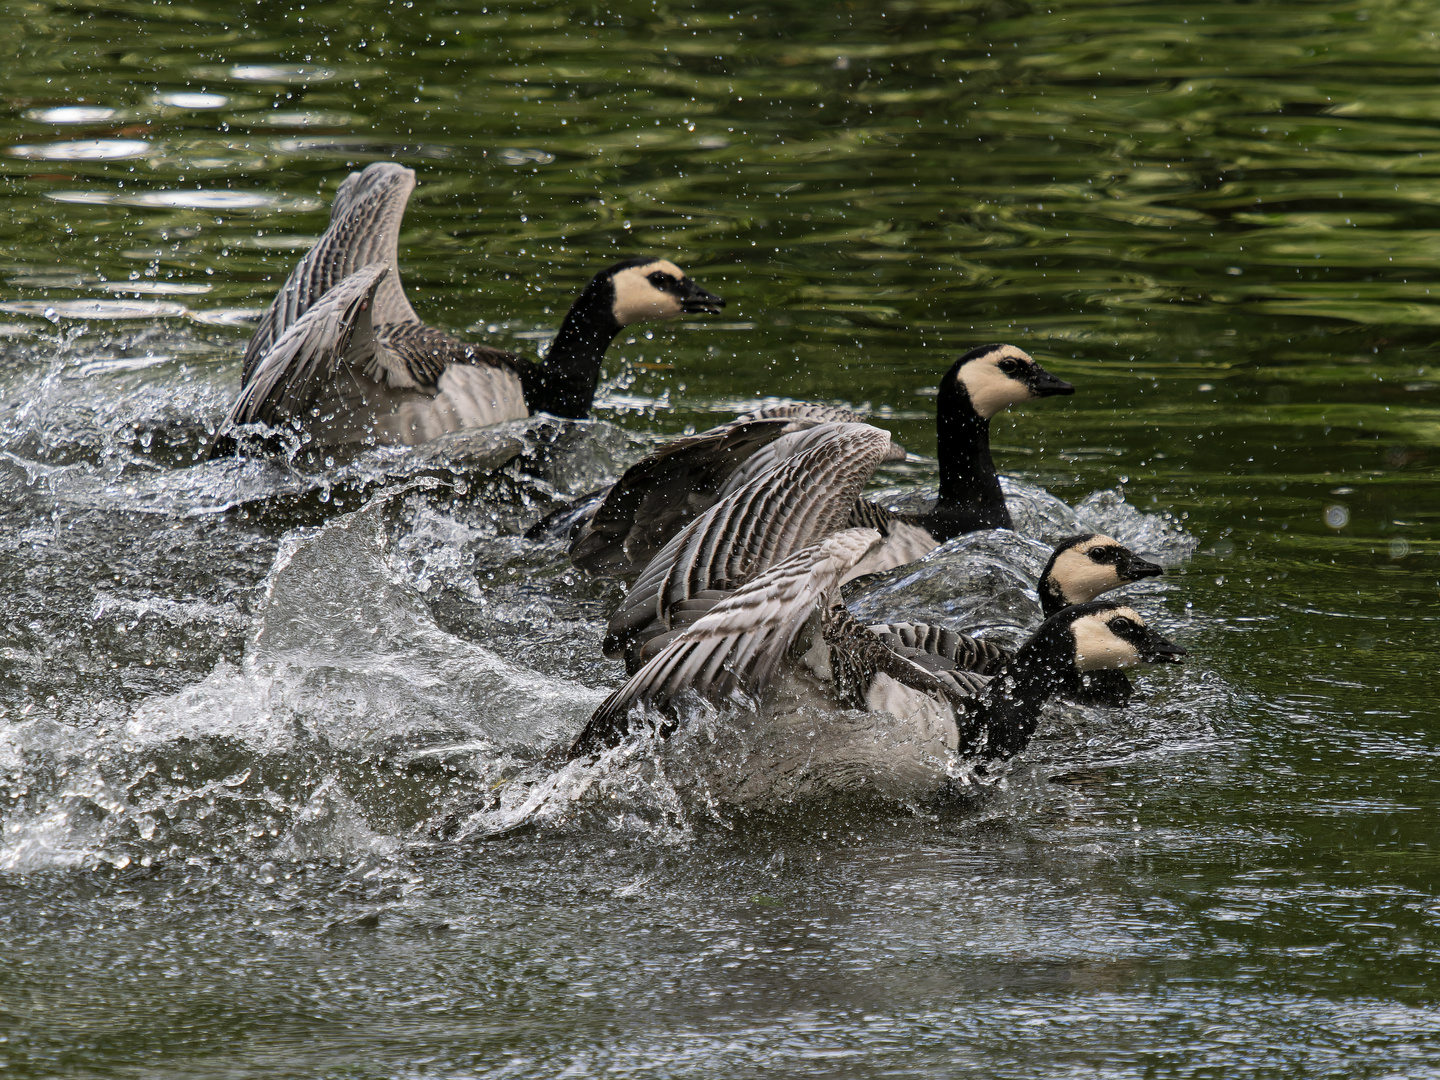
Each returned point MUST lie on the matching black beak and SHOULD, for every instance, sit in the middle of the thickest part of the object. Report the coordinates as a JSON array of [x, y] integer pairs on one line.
[[1133, 568], [1043, 384], [1156, 650], [696, 301]]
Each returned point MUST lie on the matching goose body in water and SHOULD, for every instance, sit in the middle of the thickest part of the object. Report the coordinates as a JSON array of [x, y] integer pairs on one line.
[[663, 492], [1080, 569], [785, 651], [341, 356], [806, 494]]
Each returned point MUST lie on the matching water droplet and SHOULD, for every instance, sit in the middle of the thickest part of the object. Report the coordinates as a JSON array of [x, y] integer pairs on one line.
[[1337, 516]]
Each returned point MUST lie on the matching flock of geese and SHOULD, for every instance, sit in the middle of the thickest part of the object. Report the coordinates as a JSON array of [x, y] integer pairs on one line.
[[736, 541]]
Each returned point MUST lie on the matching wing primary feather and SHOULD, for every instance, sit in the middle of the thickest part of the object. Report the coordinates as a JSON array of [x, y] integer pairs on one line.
[[364, 229], [737, 646], [805, 499], [335, 335]]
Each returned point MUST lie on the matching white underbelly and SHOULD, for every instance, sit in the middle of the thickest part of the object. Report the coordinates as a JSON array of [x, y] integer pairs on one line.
[[795, 749], [470, 396]]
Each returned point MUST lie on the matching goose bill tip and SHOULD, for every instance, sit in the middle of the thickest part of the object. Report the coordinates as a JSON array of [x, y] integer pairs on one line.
[[1058, 388]]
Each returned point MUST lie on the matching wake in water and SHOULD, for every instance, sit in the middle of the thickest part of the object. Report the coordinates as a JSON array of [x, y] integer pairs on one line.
[[353, 706], [400, 669]]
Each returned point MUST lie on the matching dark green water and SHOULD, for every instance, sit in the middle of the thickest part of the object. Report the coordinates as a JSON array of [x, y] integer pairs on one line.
[[1221, 221]]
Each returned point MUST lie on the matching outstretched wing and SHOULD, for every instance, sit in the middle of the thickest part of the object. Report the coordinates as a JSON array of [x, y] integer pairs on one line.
[[662, 493], [364, 231], [803, 500], [337, 332], [734, 648]]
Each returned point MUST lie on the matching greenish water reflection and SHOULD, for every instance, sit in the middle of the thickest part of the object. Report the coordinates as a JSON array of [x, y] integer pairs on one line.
[[1220, 220]]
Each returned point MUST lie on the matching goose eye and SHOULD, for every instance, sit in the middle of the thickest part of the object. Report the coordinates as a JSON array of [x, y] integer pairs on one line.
[[1102, 554], [1119, 626], [1009, 367], [661, 280]]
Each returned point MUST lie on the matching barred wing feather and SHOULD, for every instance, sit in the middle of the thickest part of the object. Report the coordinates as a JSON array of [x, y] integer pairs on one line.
[[937, 648], [364, 231], [806, 498], [734, 649], [334, 333], [666, 490]]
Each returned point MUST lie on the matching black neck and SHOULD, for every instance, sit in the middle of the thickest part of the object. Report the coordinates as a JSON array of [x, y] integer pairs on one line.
[[564, 385], [970, 496], [1010, 708], [1051, 599]]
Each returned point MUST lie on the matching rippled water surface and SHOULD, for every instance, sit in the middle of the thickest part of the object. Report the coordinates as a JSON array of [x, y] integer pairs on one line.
[[237, 698]]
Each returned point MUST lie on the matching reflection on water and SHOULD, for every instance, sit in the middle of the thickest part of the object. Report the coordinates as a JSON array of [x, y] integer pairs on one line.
[[234, 701]]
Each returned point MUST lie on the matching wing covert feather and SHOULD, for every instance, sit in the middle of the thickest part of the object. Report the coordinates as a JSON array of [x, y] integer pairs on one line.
[[364, 230], [800, 502], [735, 648], [938, 648]]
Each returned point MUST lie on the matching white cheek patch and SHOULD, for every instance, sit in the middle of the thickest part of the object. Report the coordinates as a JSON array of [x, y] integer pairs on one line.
[[1098, 648], [1080, 579], [990, 389], [636, 300]]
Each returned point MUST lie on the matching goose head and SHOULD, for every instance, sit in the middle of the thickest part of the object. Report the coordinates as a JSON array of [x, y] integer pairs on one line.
[[1098, 636], [1082, 567], [1108, 636], [994, 377], [644, 288]]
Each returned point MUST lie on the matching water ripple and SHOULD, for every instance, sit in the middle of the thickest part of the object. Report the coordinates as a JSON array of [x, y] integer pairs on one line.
[[83, 150]]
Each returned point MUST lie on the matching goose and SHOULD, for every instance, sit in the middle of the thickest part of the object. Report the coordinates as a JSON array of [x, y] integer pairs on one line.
[[663, 492], [1080, 569], [341, 356], [809, 493], [783, 646]]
